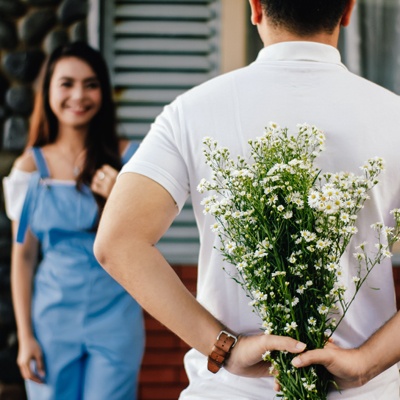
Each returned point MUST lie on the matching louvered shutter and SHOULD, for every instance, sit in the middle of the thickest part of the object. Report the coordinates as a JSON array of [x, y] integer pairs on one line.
[[157, 50]]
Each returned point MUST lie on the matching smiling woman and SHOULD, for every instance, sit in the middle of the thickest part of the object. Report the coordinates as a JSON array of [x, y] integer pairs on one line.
[[80, 333]]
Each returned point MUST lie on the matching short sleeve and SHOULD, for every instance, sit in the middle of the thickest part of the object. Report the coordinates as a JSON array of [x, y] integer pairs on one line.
[[15, 188], [160, 157]]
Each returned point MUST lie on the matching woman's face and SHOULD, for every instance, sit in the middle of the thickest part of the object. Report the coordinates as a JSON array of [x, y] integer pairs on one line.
[[74, 93]]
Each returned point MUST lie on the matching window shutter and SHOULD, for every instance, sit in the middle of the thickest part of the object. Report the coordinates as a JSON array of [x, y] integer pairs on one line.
[[156, 50]]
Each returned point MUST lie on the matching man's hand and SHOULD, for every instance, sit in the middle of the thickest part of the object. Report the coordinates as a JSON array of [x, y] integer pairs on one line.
[[246, 357], [347, 366]]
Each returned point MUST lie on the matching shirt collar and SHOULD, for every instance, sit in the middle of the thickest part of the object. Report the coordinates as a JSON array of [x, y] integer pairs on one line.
[[300, 51]]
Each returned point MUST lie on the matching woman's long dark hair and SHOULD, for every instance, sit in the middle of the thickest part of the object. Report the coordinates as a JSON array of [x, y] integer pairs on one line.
[[102, 140]]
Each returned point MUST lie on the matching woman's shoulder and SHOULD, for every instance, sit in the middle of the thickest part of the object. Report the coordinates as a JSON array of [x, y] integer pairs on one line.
[[127, 149], [123, 145], [25, 162]]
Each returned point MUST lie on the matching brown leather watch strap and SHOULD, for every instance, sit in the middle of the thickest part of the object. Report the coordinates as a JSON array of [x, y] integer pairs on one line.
[[220, 351]]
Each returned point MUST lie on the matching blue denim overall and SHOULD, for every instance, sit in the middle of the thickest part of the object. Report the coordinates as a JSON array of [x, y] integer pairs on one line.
[[90, 329]]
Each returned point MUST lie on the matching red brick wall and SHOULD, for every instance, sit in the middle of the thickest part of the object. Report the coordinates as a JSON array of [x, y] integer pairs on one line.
[[163, 376]]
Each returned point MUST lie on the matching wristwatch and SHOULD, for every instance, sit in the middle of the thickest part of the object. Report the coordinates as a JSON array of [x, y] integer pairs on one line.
[[220, 352]]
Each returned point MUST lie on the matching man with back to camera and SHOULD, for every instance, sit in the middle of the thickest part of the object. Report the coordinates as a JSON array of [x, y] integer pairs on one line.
[[298, 77]]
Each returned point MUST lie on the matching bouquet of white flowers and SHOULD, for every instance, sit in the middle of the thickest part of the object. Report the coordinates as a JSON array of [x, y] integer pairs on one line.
[[285, 225]]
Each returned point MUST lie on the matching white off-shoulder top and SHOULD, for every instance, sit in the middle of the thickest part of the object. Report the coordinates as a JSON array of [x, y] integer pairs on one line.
[[15, 187]]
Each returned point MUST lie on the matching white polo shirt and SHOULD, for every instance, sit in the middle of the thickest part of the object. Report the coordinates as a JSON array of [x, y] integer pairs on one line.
[[289, 83]]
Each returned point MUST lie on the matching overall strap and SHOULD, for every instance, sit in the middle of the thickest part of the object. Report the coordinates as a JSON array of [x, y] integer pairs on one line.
[[129, 151], [40, 162], [23, 222]]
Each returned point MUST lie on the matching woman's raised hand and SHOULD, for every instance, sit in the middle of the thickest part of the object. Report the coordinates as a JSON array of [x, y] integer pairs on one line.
[[103, 180]]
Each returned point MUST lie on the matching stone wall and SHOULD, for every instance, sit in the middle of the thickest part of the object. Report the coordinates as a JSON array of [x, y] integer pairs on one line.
[[29, 30]]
